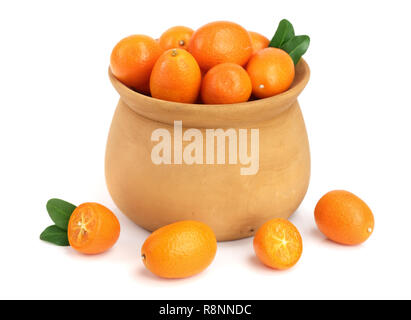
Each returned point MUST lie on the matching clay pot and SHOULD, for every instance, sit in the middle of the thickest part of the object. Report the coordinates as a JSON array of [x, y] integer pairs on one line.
[[233, 205]]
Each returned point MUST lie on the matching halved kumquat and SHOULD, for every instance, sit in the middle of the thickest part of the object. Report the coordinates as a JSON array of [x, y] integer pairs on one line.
[[278, 244], [93, 228]]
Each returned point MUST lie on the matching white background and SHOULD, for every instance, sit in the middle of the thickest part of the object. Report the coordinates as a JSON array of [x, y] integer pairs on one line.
[[56, 104]]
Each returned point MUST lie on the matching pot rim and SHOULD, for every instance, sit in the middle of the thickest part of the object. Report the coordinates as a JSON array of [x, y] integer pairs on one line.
[[213, 115]]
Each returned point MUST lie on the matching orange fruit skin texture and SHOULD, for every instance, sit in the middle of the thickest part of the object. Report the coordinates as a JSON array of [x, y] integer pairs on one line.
[[176, 76], [132, 59], [271, 71], [176, 37], [180, 249], [226, 83], [219, 42], [278, 244], [258, 41], [93, 228], [344, 218]]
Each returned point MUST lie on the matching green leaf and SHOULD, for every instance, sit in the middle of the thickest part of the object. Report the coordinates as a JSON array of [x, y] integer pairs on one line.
[[296, 47], [60, 212], [284, 33], [55, 235]]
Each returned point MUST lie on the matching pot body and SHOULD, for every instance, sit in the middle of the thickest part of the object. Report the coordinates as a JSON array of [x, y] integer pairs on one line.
[[233, 205]]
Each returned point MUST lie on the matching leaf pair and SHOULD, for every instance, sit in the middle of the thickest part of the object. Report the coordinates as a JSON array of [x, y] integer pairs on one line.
[[60, 212], [286, 40]]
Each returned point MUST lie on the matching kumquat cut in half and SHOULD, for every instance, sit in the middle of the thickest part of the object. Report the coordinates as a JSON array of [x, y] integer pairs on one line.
[[278, 244], [93, 228]]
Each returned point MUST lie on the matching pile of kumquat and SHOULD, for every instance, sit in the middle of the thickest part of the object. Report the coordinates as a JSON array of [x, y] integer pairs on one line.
[[219, 63]]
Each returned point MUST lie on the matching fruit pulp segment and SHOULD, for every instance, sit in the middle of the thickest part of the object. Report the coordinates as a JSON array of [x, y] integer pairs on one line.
[[83, 226], [284, 244]]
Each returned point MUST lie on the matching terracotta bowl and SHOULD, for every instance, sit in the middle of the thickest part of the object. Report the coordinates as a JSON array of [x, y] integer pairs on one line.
[[232, 204]]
